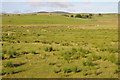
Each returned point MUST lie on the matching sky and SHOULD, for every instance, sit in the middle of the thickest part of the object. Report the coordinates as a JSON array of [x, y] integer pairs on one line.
[[60, 0], [73, 6]]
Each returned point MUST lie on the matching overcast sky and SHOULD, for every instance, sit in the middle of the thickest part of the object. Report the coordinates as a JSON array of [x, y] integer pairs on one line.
[[78, 6]]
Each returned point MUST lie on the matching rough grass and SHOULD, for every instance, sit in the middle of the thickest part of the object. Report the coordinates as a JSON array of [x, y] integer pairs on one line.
[[58, 52]]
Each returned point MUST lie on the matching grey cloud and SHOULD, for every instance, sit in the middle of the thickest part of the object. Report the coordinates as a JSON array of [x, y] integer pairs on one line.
[[51, 4], [61, 4], [16, 11]]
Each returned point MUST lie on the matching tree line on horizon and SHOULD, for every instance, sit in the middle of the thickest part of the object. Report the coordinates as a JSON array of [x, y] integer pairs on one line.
[[81, 16]]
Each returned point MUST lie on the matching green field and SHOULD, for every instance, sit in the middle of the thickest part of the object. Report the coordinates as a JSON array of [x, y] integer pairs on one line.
[[57, 19], [55, 46]]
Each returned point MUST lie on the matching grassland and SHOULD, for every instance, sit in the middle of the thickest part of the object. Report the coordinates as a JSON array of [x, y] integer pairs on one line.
[[57, 19], [55, 46]]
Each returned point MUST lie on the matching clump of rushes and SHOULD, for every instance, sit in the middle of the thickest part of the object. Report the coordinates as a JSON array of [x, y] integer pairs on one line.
[[7, 54], [82, 54], [25, 52], [76, 56], [74, 53], [35, 52], [75, 69], [57, 70], [9, 64], [94, 57], [48, 48], [86, 73], [85, 51], [65, 44], [88, 63], [67, 70], [10, 71], [116, 71], [113, 58], [52, 63], [70, 54], [97, 73]]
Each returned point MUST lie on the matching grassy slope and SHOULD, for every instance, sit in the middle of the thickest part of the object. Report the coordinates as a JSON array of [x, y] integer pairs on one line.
[[100, 40], [54, 20]]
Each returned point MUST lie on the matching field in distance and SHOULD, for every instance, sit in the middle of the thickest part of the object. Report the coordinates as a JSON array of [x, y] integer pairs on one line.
[[59, 46], [50, 19]]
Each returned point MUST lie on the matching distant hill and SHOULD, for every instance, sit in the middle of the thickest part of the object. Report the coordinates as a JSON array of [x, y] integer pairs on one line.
[[42, 12], [59, 12]]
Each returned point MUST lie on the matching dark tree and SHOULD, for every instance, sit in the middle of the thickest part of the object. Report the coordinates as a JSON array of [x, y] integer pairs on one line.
[[90, 14], [100, 14], [34, 14], [18, 14], [66, 15], [78, 16], [86, 16], [72, 16]]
